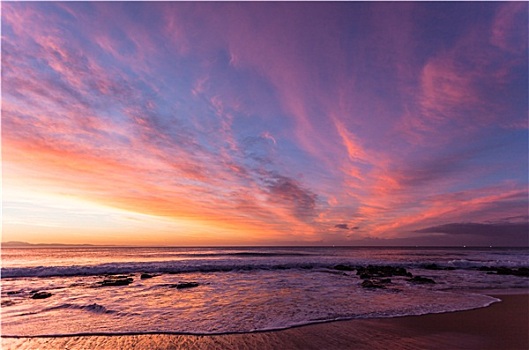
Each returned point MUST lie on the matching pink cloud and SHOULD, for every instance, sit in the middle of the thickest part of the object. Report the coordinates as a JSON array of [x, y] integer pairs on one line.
[[455, 86], [506, 32], [354, 150]]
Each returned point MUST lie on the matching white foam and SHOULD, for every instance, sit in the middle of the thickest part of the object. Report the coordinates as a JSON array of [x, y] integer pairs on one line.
[[250, 300]]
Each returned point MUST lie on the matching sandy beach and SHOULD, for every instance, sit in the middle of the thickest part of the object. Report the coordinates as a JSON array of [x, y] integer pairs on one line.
[[503, 325]]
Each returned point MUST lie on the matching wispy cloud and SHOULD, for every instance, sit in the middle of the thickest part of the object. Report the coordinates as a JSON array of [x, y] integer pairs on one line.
[[269, 122]]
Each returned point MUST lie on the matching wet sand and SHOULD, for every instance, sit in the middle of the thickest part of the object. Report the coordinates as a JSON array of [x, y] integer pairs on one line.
[[503, 325]]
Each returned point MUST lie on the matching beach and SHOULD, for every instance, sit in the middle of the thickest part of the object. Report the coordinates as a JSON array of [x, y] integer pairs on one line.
[[502, 325]]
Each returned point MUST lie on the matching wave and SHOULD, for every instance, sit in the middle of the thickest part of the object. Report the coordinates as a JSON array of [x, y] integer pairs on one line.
[[225, 254], [246, 254], [228, 265], [480, 302], [94, 308], [171, 267], [471, 264]]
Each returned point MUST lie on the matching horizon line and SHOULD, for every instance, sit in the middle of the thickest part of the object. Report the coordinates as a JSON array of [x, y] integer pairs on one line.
[[17, 244]]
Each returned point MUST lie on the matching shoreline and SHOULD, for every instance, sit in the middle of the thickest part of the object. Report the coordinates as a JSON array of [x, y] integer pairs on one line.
[[313, 323], [503, 324]]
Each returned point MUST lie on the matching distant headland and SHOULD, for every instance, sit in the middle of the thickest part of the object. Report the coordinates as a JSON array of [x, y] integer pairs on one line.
[[19, 244]]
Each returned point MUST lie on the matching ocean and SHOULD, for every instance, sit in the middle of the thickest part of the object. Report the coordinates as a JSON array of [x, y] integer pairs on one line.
[[101, 290]]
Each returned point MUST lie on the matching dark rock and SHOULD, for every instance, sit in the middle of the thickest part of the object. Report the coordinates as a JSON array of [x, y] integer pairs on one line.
[[341, 267], [183, 285], [436, 267], [431, 267], [117, 281], [145, 276], [504, 271], [400, 271], [522, 271], [486, 268], [501, 270], [13, 292], [363, 271], [381, 271], [421, 280], [372, 284], [41, 295]]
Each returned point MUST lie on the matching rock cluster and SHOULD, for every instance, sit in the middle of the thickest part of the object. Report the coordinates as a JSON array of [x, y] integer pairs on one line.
[[377, 277], [124, 280], [522, 271]]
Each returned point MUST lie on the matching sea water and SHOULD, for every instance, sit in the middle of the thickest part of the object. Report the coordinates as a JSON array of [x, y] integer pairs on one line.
[[239, 289]]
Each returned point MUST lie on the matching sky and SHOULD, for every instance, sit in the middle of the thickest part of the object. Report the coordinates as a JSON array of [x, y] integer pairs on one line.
[[242, 123]]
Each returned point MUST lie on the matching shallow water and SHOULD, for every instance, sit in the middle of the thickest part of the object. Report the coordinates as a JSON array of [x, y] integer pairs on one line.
[[240, 289]]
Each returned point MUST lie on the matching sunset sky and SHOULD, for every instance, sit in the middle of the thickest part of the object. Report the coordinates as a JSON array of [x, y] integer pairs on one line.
[[265, 123]]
